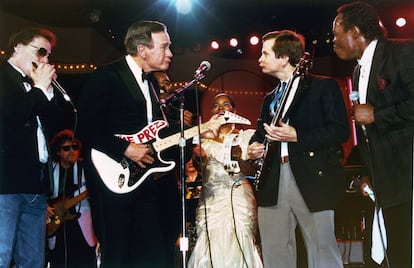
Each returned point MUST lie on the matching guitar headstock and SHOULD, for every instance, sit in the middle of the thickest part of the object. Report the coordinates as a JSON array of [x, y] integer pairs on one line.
[[230, 117], [304, 65]]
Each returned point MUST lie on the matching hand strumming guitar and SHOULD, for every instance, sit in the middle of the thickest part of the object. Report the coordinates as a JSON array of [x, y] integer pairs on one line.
[[139, 153], [255, 150]]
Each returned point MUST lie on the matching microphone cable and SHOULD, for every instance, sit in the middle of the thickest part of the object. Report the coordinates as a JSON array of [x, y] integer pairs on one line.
[[75, 124], [354, 96], [237, 183], [198, 116], [376, 202]]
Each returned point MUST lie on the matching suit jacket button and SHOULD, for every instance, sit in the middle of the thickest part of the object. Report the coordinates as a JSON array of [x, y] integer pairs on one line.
[[311, 154], [320, 173]]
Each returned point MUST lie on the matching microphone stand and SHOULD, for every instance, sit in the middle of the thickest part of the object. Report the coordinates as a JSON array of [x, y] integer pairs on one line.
[[177, 95], [182, 143]]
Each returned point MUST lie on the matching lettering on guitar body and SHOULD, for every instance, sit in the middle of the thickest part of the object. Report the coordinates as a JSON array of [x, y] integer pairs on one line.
[[146, 134]]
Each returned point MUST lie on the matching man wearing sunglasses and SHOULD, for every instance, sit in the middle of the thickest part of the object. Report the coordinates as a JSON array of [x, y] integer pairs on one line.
[[25, 104], [71, 240]]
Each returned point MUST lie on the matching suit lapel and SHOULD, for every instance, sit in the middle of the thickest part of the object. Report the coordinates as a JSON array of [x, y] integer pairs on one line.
[[129, 81], [15, 75], [133, 87], [376, 67], [302, 87]]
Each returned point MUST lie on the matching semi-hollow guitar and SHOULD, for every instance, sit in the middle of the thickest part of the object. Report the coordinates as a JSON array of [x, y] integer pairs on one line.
[[300, 71]]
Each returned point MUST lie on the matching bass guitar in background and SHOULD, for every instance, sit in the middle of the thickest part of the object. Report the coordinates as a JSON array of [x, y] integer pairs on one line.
[[61, 208]]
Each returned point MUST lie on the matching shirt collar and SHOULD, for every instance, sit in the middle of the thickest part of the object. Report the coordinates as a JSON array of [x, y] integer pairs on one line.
[[17, 68], [136, 70], [368, 53]]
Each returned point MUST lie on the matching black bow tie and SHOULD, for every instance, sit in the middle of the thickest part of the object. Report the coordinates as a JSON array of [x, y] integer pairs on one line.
[[144, 76], [27, 80]]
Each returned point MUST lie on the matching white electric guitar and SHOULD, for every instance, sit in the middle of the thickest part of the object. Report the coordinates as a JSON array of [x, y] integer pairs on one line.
[[125, 176]]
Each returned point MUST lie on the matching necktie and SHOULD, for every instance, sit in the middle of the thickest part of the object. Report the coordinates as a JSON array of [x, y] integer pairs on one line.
[[276, 98], [355, 75], [379, 233]]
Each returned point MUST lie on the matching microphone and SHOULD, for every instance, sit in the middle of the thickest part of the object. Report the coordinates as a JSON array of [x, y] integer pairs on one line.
[[204, 66], [354, 96], [57, 86]]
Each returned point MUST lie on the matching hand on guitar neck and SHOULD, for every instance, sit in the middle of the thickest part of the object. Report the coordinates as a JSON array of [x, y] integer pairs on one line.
[[213, 126]]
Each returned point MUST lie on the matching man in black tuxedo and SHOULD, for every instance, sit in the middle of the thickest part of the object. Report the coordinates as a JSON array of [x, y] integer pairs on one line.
[[122, 98], [26, 101], [119, 99], [384, 78], [302, 176]]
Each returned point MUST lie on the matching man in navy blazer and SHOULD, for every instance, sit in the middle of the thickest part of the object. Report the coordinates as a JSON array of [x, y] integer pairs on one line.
[[302, 177], [384, 78], [26, 101]]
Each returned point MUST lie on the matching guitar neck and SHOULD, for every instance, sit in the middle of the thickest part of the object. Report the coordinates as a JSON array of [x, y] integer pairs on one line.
[[73, 201], [172, 140]]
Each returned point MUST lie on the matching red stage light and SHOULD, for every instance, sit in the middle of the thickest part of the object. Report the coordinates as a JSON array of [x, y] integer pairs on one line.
[[254, 40], [233, 42], [400, 22], [214, 45]]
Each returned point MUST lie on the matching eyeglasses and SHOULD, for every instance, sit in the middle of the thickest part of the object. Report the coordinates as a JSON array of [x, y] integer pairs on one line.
[[66, 148], [41, 51]]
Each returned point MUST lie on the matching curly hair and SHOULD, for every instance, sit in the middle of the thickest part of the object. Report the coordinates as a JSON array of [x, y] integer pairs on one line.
[[59, 139], [365, 17], [288, 43]]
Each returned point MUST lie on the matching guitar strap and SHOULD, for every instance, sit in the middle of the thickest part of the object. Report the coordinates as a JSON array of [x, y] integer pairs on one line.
[[79, 173], [77, 178]]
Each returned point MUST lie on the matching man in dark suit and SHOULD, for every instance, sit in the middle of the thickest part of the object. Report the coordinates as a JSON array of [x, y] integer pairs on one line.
[[385, 79], [119, 99], [24, 106], [302, 175], [122, 98]]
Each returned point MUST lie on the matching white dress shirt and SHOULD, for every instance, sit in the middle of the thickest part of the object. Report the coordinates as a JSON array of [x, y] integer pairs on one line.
[[366, 63], [137, 71]]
